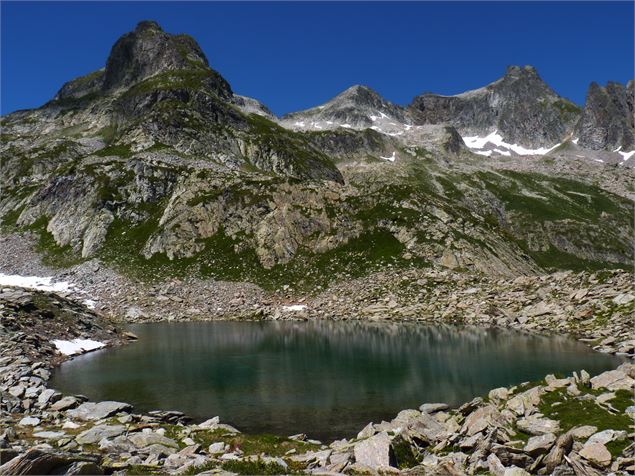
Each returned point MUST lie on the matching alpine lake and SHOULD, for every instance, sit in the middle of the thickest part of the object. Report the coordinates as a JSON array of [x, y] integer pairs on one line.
[[326, 379]]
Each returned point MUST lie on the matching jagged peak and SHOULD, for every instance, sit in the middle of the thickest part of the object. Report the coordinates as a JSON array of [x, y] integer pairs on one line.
[[521, 71], [148, 50], [148, 25]]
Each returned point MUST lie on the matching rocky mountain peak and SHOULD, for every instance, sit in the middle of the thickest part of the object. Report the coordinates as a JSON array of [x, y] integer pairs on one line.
[[608, 118], [521, 71], [357, 107], [149, 50], [520, 106], [359, 94]]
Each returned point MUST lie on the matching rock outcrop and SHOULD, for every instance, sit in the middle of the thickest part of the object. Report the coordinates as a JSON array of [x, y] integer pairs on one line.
[[607, 121]]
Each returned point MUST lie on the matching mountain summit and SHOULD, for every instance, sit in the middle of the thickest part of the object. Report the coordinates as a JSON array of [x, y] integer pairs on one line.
[[357, 107], [520, 106]]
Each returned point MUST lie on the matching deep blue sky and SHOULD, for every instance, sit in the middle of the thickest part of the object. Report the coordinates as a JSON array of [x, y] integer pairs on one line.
[[296, 55]]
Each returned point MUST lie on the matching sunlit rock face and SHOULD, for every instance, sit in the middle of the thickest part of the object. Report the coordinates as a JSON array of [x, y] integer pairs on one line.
[[608, 118], [520, 106]]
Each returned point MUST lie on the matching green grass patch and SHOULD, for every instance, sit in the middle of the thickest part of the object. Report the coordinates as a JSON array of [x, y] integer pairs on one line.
[[574, 411]]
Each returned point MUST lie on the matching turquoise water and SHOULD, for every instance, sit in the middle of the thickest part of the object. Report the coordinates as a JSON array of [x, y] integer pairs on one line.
[[326, 379]]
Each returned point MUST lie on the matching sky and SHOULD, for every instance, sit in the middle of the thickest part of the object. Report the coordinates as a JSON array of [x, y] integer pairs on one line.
[[296, 55]]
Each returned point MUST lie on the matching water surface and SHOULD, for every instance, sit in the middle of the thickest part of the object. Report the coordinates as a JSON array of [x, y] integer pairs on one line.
[[326, 379]]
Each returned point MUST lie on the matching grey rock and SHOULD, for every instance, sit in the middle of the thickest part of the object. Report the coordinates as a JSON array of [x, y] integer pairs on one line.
[[143, 439], [433, 407], [97, 411], [98, 433], [540, 444], [65, 403], [373, 452], [607, 120]]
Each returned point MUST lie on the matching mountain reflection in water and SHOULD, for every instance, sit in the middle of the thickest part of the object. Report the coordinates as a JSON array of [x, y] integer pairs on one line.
[[327, 379]]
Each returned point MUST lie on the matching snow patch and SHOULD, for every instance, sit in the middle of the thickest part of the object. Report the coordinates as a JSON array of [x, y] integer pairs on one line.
[[475, 142], [575, 141], [486, 153], [503, 152], [34, 282], [77, 346], [347, 126], [294, 307], [390, 159], [599, 160], [626, 155], [90, 303]]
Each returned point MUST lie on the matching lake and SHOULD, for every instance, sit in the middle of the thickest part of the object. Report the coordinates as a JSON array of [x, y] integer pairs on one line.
[[326, 379]]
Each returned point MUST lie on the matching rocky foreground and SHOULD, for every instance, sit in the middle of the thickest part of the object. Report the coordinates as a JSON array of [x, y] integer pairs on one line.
[[578, 425]]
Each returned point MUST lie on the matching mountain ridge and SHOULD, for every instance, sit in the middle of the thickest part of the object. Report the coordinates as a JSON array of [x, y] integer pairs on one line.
[[164, 171]]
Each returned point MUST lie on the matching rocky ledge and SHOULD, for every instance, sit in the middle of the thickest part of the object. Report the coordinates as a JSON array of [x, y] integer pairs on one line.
[[577, 425]]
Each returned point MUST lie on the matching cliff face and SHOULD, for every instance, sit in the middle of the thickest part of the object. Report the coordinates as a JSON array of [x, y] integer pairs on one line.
[[608, 118]]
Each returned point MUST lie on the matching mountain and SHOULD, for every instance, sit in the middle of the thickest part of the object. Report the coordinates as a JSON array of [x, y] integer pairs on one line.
[[519, 106], [157, 90], [607, 121], [358, 107], [155, 167]]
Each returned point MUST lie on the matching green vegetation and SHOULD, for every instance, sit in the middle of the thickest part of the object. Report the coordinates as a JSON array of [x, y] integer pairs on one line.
[[567, 107], [52, 254], [122, 150], [293, 149], [181, 79], [403, 453], [253, 467], [572, 411]]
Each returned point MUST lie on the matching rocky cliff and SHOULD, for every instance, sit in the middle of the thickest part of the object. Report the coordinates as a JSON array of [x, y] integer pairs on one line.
[[608, 118]]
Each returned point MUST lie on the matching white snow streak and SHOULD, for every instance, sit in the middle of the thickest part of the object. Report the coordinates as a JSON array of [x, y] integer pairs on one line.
[[627, 155], [34, 282], [294, 307], [475, 142], [77, 346], [390, 159]]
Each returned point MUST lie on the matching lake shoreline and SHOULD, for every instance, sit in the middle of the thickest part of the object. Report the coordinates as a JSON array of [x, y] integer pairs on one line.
[[475, 424]]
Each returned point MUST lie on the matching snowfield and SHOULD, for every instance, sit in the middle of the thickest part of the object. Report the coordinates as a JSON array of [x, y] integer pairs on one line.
[[495, 139], [77, 346], [294, 307], [34, 282]]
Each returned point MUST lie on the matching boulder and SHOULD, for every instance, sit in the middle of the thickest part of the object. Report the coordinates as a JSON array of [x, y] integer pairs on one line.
[[97, 411], [538, 426], [481, 419], [498, 394], [583, 432], [596, 454], [558, 451], [526, 402], [373, 452], [29, 421], [433, 407], [613, 380], [64, 404], [605, 437], [37, 461], [98, 433], [540, 444], [144, 439]]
